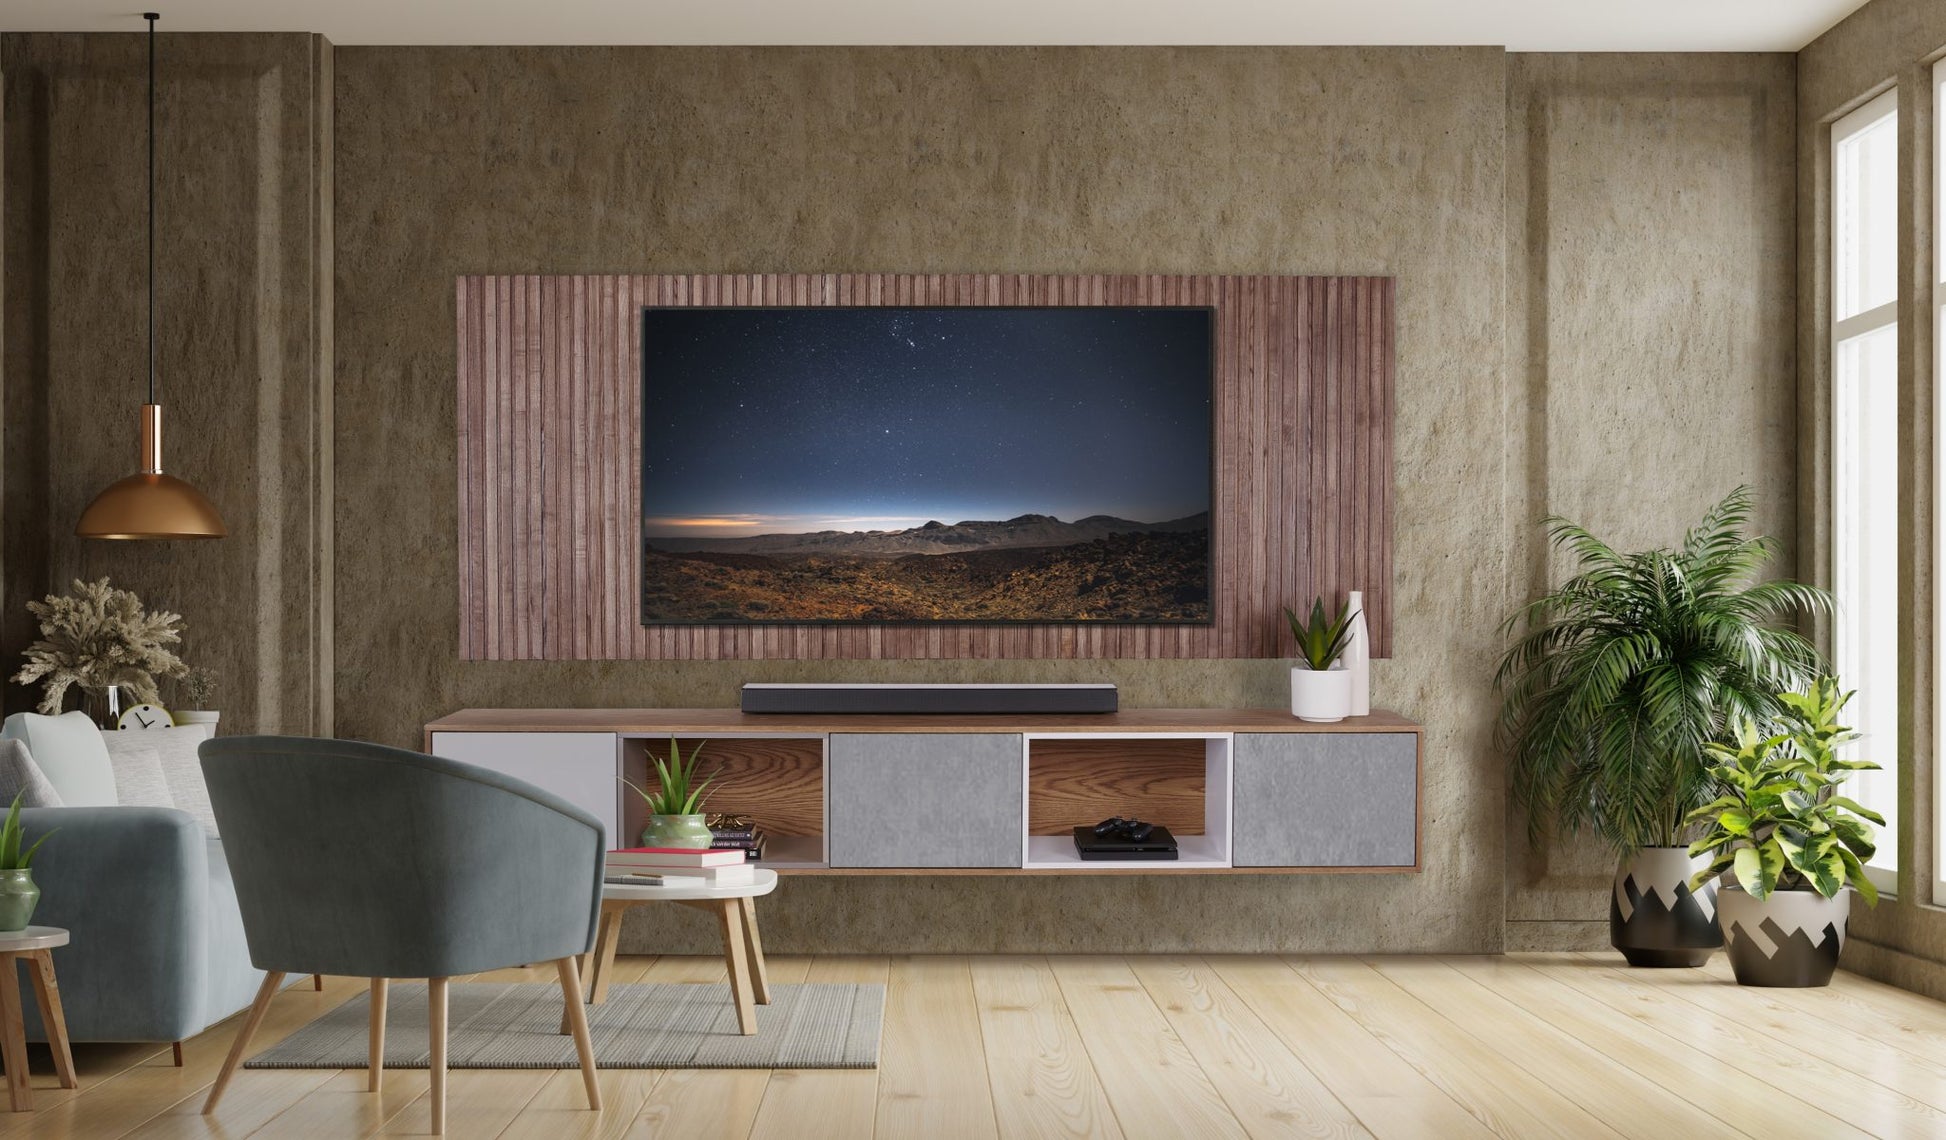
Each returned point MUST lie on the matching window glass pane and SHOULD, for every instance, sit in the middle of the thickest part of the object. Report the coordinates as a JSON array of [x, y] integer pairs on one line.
[[1865, 189], [1866, 564]]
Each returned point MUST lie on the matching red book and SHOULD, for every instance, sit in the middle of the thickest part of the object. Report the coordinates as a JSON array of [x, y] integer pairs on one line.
[[675, 857]]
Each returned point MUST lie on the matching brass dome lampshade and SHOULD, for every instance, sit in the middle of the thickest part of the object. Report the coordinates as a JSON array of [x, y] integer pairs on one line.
[[150, 504]]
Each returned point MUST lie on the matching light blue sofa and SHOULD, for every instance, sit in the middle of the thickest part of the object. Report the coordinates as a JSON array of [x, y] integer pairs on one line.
[[157, 951]]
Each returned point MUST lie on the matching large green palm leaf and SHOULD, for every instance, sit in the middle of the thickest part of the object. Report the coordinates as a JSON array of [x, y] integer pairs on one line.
[[1615, 681]]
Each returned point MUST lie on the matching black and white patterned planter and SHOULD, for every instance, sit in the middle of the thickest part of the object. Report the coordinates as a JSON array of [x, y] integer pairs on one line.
[[1654, 919], [1792, 938]]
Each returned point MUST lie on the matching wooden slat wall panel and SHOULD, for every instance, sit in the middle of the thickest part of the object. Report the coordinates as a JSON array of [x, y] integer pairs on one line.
[[550, 454]]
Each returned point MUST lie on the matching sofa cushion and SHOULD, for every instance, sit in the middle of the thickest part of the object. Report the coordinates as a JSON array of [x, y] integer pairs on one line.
[[139, 781], [181, 767], [20, 776], [69, 751]]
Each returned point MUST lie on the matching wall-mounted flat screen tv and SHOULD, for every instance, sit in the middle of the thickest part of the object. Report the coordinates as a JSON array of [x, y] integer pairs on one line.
[[917, 465]]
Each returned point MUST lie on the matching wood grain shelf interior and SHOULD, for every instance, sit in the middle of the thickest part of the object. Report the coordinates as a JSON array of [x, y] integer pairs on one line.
[[778, 783], [1079, 783]]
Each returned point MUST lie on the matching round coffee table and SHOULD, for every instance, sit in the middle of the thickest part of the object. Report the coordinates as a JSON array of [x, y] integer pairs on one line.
[[33, 946], [734, 904]]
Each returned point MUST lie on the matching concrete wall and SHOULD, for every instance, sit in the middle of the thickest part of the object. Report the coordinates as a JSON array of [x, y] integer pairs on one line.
[[244, 341], [1579, 264], [1886, 42]]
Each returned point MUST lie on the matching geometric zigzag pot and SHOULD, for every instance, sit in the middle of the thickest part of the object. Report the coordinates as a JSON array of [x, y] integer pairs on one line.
[[1792, 938], [1654, 919]]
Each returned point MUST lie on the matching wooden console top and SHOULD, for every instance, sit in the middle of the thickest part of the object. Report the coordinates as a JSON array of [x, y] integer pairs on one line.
[[664, 721]]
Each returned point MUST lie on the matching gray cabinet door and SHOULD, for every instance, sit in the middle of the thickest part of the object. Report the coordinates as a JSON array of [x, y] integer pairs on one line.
[[1326, 799], [925, 800]]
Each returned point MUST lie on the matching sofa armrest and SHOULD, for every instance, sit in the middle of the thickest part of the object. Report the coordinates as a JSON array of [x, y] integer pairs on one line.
[[131, 885]]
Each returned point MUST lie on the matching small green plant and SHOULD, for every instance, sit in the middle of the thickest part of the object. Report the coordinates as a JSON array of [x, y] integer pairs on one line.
[[1321, 640], [11, 857], [198, 688], [1780, 820], [677, 792]]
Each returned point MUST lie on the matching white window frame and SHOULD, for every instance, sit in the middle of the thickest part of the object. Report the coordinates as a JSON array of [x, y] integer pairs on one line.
[[1939, 477], [1884, 875]]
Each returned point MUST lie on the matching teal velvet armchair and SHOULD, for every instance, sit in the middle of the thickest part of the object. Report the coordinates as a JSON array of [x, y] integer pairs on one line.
[[359, 860]]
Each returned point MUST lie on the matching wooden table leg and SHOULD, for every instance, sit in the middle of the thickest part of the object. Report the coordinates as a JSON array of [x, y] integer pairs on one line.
[[611, 933], [13, 1036], [52, 1019], [736, 957], [754, 944]]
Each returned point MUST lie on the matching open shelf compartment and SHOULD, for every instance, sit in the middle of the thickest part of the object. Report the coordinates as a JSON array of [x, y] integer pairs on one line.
[[778, 781], [1181, 781]]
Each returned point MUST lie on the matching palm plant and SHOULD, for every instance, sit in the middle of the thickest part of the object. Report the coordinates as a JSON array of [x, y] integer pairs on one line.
[[1619, 679], [12, 858]]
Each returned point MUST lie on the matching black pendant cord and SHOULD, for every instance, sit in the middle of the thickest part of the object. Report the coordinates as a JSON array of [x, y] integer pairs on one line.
[[151, 17]]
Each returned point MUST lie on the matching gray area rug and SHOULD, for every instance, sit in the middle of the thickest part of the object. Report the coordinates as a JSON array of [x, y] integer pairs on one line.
[[641, 1026]]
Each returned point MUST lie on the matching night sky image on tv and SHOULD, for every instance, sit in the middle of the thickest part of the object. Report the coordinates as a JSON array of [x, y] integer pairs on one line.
[[926, 465]]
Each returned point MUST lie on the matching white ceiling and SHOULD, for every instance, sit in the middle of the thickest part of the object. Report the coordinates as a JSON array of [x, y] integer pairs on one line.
[[1520, 25]]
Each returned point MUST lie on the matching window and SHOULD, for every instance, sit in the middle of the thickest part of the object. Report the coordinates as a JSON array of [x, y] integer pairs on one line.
[[1865, 460], [1939, 472]]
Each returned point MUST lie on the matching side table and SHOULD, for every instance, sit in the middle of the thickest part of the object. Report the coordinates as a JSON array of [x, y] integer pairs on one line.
[[32, 946], [734, 905]]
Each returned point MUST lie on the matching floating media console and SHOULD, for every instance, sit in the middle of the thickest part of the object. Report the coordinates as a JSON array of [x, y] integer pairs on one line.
[[921, 699], [1243, 790]]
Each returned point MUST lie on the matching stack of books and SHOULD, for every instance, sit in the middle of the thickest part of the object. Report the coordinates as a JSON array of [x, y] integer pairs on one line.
[[736, 833], [677, 866]]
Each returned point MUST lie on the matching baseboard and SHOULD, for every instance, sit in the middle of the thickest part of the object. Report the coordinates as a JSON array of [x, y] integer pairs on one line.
[[1541, 936], [1895, 967]]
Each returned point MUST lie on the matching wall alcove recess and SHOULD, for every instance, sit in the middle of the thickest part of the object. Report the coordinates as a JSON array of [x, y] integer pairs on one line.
[[549, 404]]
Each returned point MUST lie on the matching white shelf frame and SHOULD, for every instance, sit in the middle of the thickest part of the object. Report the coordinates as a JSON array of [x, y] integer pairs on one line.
[[1212, 849]]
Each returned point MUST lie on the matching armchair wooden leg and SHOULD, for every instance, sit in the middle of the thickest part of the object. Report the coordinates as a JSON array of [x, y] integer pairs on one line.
[[375, 1055], [436, 1010], [272, 983], [578, 1021]]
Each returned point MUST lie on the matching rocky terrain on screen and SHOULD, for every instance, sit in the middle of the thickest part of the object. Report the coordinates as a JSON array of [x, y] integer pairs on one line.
[[1032, 568]]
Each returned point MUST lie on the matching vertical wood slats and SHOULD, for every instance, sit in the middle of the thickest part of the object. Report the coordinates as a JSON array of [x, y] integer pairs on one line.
[[549, 416]]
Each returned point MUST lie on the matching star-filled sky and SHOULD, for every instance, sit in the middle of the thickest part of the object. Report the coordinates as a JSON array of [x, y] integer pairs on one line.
[[766, 421]]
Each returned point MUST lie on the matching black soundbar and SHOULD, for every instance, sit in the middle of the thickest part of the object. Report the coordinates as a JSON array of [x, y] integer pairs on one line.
[[816, 699]]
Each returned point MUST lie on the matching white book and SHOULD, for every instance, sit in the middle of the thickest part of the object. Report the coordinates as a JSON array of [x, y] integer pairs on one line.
[[732, 875]]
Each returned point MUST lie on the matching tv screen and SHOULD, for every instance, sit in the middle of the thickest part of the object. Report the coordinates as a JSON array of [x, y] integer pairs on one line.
[[861, 465]]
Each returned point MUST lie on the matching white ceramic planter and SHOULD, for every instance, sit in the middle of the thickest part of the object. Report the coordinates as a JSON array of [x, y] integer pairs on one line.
[[1320, 695], [198, 718]]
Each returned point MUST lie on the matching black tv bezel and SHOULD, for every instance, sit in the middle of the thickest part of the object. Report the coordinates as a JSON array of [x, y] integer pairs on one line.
[[642, 528]]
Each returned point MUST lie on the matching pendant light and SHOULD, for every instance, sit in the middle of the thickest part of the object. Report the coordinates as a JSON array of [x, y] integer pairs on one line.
[[149, 504]]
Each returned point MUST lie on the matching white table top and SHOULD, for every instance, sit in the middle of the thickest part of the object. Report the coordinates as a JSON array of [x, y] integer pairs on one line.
[[765, 883], [41, 938]]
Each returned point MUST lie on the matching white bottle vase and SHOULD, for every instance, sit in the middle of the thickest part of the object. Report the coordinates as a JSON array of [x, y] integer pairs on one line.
[[1358, 657]]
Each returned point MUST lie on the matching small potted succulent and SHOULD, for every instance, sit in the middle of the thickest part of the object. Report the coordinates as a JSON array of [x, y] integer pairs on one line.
[[676, 806], [1320, 686], [18, 894], [198, 689], [1798, 848]]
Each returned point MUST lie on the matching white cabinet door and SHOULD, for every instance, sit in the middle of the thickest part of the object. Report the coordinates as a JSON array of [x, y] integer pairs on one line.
[[580, 767]]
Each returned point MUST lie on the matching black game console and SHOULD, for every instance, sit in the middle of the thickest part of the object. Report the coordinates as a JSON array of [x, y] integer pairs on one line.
[[1120, 838]]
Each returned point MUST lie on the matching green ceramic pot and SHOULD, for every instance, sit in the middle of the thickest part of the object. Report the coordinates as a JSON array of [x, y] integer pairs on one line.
[[677, 831], [18, 898]]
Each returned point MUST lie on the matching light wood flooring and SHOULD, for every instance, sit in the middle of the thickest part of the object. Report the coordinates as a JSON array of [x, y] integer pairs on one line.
[[1453, 1047]]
